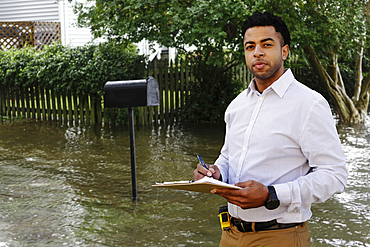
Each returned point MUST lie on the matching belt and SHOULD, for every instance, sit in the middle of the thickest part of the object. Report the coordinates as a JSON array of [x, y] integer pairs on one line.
[[244, 226]]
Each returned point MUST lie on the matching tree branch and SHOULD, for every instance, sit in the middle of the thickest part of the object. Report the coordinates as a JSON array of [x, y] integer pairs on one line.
[[344, 104]]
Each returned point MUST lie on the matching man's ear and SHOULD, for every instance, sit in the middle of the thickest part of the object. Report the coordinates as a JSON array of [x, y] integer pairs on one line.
[[285, 51]]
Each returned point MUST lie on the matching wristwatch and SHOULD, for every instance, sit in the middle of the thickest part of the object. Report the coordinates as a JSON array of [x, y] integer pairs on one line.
[[272, 201]]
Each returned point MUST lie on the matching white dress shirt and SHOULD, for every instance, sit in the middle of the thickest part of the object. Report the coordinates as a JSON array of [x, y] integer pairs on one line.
[[275, 138]]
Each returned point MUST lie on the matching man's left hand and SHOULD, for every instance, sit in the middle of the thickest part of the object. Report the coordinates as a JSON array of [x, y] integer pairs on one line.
[[253, 194]]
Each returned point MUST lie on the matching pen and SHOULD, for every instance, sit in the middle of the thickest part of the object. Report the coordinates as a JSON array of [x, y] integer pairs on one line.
[[202, 162]]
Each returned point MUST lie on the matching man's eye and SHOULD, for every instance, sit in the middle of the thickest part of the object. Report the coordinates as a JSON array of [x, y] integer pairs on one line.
[[250, 47]]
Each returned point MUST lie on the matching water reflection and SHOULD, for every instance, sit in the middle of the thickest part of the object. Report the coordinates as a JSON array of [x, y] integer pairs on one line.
[[72, 187]]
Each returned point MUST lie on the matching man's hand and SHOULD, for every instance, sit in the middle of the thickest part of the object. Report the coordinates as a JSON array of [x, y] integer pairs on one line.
[[253, 194], [201, 172]]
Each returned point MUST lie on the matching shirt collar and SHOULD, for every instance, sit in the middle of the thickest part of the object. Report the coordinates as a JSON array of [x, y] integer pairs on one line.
[[279, 86]]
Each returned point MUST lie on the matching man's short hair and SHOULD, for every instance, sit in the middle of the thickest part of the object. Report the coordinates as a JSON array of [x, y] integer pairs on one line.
[[259, 19]]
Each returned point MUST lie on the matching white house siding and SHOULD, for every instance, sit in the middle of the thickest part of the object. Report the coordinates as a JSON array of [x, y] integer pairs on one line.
[[29, 10], [71, 34]]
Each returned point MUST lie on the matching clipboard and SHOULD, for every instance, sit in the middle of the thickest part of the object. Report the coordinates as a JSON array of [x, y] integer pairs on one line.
[[204, 185]]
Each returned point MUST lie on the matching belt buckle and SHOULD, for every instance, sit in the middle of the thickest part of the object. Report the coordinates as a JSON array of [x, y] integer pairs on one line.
[[237, 223], [240, 225]]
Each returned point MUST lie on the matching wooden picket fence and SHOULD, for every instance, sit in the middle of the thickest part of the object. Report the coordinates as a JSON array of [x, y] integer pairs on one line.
[[173, 81], [43, 104]]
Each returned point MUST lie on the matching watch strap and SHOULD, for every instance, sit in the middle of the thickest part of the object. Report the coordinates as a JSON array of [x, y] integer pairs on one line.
[[272, 201]]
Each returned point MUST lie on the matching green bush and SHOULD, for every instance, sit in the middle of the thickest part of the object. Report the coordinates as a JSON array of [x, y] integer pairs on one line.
[[64, 69], [212, 90]]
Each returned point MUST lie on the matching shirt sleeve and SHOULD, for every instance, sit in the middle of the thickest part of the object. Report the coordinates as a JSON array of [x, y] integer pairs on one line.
[[222, 161], [321, 146]]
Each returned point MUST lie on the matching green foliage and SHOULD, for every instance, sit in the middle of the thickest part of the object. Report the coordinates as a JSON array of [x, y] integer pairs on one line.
[[211, 89], [63, 69], [172, 23], [13, 66]]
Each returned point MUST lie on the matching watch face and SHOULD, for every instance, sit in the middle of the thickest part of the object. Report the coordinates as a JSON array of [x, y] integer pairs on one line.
[[272, 204]]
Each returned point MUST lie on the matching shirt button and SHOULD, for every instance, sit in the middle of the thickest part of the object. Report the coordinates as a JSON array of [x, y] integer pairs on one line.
[[261, 98], [244, 149]]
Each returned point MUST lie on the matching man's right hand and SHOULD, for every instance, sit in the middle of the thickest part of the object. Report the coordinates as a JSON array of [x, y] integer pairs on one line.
[[201, 172]]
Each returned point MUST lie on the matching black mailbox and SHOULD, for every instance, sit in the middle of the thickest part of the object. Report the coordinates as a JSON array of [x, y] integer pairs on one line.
[[133, 93], [130, 94]]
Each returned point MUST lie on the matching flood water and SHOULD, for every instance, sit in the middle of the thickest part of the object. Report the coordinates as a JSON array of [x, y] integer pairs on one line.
[[71, 186]]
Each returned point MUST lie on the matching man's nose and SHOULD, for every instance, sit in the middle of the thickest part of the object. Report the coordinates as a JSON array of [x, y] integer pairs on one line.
[[258, 51]]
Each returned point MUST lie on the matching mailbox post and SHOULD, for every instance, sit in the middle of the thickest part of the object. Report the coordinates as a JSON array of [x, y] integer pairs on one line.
[[129, 94]]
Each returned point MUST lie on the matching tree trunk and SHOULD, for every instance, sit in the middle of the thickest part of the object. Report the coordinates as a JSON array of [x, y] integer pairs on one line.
[[363, 100], [349, 110], [358, 72]]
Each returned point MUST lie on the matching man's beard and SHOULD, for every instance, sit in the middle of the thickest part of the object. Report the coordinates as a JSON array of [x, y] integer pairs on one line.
[[266, 74]]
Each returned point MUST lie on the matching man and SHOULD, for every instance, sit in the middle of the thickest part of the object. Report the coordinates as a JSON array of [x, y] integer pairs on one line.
[[281, 147]]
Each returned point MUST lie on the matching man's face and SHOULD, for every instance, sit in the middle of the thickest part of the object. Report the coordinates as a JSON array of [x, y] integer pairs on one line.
[[264, 54]]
